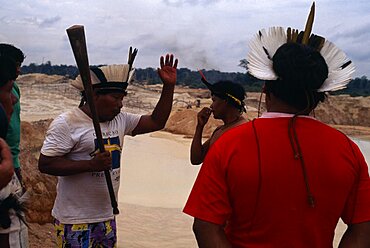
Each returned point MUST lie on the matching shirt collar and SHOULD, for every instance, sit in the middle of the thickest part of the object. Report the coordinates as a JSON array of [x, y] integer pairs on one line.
[[280, 115]]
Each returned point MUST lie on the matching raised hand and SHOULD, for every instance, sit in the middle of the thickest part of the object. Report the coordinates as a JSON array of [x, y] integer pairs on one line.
[[203, 116], [168, 72]]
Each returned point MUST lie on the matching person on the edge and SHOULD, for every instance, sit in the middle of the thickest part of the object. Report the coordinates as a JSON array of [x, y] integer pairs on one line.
[[13, 231]]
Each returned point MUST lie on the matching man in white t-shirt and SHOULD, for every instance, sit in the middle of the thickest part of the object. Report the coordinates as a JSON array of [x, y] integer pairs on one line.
[[82, 210]]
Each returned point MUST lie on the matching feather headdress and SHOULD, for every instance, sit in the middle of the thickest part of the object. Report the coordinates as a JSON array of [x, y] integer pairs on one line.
[[111, 77], [265, 43]]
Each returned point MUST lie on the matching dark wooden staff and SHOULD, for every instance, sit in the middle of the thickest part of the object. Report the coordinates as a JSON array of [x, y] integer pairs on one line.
[[76, 35]]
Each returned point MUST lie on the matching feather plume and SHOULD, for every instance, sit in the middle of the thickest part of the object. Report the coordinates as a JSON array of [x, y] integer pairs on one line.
[[294, 35], [262, 49], [131, 76], [340, 68], [130, 61], [116, 73], [289, 34], [309, 24]]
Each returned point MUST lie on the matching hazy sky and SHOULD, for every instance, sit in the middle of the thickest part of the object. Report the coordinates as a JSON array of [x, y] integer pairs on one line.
[[206, 34]]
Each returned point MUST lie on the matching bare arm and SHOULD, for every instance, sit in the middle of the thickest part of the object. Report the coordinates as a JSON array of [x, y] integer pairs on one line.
[[356, 236], [6, 164], [198, 150], [61, 166], [210, 235], [157, 120]]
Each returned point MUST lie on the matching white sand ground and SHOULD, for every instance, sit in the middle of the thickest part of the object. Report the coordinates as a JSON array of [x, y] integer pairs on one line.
[[156, 179]]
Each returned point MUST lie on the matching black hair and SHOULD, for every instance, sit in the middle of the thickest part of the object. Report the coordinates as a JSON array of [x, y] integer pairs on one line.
[[301, 71], [13, 52], [8, 70], [229, 90]]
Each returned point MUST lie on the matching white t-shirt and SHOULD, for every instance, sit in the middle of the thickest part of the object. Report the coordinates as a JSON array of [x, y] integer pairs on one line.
[[84, 197]]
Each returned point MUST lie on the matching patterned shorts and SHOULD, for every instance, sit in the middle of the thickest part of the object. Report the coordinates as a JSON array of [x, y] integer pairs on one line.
[[93, 235]]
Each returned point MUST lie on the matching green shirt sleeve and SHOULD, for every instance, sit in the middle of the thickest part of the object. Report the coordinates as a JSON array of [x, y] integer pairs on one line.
[[14, 130]]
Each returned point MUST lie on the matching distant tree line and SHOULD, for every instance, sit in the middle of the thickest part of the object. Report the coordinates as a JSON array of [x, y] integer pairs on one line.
[[357, 87], [186, 77], [49, 69]]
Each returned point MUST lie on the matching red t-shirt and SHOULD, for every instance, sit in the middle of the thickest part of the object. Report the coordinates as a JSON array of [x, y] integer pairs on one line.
[[266, 205]]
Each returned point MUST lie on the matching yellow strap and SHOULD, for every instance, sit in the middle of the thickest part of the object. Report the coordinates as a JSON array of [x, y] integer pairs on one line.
[[234, 98]]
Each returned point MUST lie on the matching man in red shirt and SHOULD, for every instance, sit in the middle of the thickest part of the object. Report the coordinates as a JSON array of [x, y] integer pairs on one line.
[[285, 179]]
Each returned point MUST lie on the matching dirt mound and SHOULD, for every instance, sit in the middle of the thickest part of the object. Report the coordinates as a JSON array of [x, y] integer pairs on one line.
[[41, 236], [359, 132], [345, 110], [38, 78], [41, 187], [349, 114], [184, 121]]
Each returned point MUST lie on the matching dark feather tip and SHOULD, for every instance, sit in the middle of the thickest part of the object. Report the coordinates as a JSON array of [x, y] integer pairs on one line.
[[346, 64], [267, 53]]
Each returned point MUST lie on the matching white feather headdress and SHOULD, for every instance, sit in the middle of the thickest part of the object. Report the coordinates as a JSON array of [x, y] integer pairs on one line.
[[264, 45], [118, 74], [111, 76], [115, 73], [262, 49]]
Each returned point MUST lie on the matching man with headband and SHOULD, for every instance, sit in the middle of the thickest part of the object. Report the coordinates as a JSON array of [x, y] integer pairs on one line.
[[285, 179], [82, 210], [227, 105]]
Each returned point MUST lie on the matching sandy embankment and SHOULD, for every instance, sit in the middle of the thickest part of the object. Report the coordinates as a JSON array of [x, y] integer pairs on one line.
[[156, 173], [156, 180]]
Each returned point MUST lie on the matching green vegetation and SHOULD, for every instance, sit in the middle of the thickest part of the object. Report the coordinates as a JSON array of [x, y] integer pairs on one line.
[[191, 79], [63, 70], [357, 87]]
